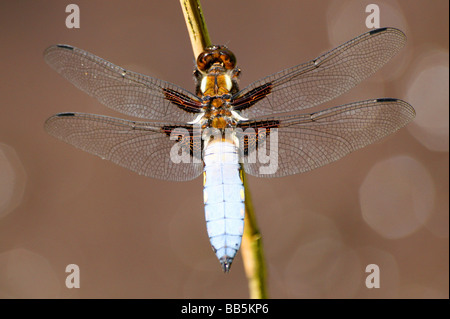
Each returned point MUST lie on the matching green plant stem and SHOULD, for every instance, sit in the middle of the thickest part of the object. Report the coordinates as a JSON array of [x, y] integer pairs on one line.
[[252, 250]]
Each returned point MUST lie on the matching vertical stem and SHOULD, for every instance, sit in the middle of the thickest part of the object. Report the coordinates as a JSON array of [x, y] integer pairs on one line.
[[251, 248], [196, 25]]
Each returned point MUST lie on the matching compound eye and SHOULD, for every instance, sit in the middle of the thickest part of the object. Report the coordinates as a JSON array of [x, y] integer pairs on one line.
[[228, 59], [215, 54], [205, 60]]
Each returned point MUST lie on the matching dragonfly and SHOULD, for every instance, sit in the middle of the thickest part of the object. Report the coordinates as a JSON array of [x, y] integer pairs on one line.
[[220, 130]]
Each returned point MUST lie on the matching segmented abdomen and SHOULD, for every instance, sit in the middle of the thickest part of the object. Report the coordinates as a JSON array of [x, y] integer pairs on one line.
[[223, 194]]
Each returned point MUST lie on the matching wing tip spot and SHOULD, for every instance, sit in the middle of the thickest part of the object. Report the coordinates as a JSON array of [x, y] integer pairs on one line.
[[65, 114], [377, 30], [387, 99], [64, 46]]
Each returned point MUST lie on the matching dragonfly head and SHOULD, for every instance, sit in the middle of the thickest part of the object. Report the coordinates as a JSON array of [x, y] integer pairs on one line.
[[214, 61], [214, 56]]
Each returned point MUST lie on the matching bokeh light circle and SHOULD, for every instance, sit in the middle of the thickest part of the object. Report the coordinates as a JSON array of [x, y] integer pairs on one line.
[[397, 196]]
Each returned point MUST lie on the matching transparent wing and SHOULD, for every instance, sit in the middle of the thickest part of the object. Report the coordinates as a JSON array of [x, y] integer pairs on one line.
[[142, 147], [124, 91], [309, 141], [321, 79]]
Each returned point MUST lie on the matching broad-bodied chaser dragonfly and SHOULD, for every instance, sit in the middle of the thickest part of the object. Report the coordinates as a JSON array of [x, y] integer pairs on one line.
[[219, 129]]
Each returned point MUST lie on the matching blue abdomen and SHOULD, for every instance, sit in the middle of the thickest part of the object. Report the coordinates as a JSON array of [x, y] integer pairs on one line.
[[223, 195]]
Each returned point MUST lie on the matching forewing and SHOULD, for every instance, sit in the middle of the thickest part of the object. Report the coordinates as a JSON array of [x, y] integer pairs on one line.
[[321, 79], [122, 90]]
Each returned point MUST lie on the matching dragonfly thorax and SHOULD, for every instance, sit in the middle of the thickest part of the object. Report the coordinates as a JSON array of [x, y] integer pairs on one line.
[[218, 113], [216, 77]]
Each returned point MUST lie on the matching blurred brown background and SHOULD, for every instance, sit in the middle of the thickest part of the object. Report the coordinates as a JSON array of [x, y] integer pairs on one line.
[[135, 237]]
